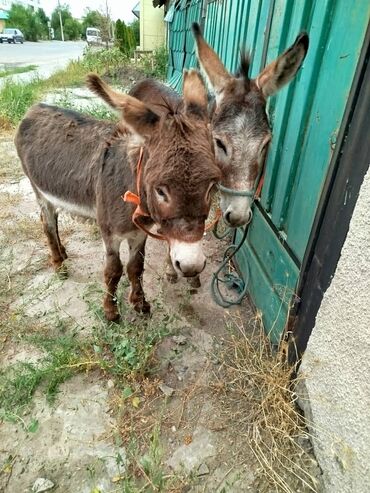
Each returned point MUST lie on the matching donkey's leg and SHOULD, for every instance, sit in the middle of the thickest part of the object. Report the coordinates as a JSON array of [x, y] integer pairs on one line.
[[49, 218], [194, 282], [171, 274], [112, 274], [135, 269]]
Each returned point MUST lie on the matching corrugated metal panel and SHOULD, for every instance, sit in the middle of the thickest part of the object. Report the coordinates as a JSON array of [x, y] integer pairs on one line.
[[181, 42]]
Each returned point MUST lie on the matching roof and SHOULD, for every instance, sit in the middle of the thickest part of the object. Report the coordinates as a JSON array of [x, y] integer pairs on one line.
[[4, 15], [136, 10]]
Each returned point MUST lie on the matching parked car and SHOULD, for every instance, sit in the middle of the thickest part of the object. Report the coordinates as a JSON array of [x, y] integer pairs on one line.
[[93, 36], [12, 35]]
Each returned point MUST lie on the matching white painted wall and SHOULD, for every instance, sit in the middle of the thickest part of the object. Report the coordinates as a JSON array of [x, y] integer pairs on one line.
[[336, 364], [152, 26]]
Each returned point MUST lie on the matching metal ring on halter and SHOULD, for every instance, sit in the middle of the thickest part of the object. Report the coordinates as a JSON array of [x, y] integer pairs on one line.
[[237, 193]]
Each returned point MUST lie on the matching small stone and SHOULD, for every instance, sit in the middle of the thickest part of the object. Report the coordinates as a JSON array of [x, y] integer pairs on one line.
[[168, 391], [180, 340], [202, 470], [110, 384], [42, 484], [173, 429]]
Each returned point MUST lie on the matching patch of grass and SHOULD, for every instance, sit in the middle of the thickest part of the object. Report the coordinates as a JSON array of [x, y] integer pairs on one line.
[[17, 70], [256, 388], [146, 471], [18, 383], [125, 348], [16, 98], [99, 111]]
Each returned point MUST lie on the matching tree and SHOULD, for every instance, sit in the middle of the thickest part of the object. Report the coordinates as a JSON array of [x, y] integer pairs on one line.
[[72, 29], [91, 18], [125, 38], [28, 21], [71, 26], [135, 28]]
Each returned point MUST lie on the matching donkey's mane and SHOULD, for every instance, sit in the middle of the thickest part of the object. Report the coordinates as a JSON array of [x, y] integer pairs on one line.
[[245, 61]]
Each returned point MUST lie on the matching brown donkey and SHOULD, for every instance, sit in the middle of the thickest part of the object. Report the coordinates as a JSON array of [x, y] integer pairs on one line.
[[84, 165], [240, 126]]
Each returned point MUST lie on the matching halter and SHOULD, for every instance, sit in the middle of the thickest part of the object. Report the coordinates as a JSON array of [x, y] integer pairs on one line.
[[134, 198], [249, 192]]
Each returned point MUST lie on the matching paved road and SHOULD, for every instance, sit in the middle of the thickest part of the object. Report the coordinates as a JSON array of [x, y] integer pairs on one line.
[[49, 56]]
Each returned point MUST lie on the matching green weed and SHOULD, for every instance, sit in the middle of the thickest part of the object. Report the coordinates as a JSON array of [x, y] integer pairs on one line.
[[99, 111], [63, 357], [156, 64], [16, 98], [17, 70]]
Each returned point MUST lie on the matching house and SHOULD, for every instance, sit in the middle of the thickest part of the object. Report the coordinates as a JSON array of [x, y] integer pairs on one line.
[[3, 18], [152, 25]]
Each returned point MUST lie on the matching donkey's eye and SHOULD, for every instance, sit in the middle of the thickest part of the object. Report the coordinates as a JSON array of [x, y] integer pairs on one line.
[[161, 194], [221, 145]]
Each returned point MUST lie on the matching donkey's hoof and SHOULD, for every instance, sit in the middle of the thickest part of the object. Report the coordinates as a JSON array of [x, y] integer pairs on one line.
[[110, 309], [194, 282], [172, 278], [60, 269], [111, 314], [142, 307]]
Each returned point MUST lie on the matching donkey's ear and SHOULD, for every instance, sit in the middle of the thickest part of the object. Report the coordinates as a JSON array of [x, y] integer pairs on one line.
[[195, 95], [210, 62], [283, 69], [141, 119]]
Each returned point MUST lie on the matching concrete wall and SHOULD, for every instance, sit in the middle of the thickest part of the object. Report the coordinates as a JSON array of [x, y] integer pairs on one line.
[[152, 26], [336, 365]]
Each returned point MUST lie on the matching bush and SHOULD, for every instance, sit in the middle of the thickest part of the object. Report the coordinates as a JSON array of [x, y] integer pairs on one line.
[[32, 24], [107, 61], [155, 65]]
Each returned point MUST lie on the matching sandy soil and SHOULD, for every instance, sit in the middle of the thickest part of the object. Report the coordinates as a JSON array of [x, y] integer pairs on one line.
[[79, 445]]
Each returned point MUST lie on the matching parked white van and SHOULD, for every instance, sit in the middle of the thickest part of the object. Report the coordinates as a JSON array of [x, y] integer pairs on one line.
[[93, 36]]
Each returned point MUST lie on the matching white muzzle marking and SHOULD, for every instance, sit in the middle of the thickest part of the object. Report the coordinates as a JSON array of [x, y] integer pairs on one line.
[[187, 258], [236, 210]]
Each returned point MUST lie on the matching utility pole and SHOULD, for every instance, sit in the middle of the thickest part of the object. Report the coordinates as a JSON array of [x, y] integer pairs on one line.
[[108, 22], [60, 20]]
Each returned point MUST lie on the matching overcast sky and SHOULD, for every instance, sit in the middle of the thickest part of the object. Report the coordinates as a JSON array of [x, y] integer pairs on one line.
[[120, 9]]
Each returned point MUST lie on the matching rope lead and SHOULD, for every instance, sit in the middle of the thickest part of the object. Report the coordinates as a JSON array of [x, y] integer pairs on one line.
[[231, 280]]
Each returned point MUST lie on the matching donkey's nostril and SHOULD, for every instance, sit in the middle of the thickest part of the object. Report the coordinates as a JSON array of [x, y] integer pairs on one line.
[[228, 217], [177, 264]]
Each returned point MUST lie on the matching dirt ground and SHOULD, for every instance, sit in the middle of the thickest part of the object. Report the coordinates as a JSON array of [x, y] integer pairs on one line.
[[161, 428]]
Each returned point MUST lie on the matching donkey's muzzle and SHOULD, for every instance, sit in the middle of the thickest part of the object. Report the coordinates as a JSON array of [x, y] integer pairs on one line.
[[187, 258]]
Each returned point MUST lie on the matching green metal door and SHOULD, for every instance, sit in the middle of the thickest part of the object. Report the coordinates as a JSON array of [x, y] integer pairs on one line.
[[305, 118]]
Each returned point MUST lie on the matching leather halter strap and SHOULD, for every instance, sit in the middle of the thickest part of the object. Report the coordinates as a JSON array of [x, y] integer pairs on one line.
[[249, 192], [134, 198]]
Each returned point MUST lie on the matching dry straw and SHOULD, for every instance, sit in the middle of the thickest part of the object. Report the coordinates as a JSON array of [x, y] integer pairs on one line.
[[257, 387]]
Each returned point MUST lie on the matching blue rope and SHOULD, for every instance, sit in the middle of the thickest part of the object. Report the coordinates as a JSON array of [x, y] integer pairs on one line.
[[229, 279]]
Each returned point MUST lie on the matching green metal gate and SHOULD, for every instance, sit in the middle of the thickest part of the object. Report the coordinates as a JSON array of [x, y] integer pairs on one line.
[[305, 117]]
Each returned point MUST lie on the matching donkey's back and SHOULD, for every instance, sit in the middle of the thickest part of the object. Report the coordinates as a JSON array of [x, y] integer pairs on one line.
[[60, 152]]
